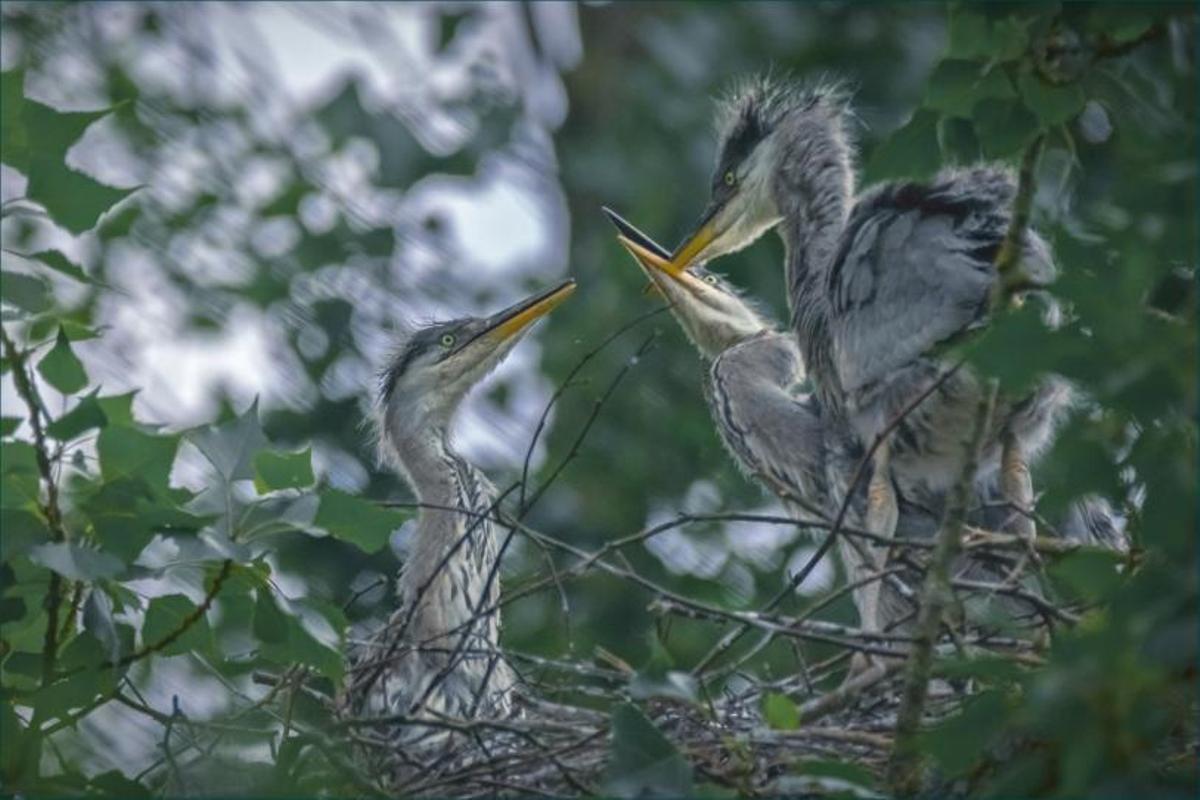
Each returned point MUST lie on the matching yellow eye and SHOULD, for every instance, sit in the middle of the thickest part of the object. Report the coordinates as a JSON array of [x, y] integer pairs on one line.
[[730, 179], [447, 340], [711, 279]]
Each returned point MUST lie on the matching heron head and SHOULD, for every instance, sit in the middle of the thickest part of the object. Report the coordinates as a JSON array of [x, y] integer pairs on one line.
[[761, 124], [712, 313], [437, 364]]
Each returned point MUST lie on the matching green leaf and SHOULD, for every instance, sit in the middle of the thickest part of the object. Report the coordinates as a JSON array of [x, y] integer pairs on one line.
[[167, 616], [910, 152], [85, 416], [74, 200], [780, 712], [283, 470], [658, 679], [14, 145], [1091, 576], [98, 621], [60, 263], [85, 682], [230, 447], [61, 368], [961, 740], [956, 86], [118, 408], [643, 762], [21, 529], [26, 292], [360, 522], [1004, 127], [129, 452], [972, 35], [9, 425], [75, 562], [285, 638], [270, 624], [1054, 105]]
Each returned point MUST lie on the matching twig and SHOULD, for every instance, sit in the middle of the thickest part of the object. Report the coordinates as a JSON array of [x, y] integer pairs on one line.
[[50, 510], [904, 766], [859, 472]]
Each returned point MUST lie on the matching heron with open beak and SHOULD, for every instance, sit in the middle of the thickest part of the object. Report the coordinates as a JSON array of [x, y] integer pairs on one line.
[[877, 282]]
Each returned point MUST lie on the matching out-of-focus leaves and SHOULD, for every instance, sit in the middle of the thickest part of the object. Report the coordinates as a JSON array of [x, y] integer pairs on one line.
[[22, 530], [973, 35], [274, 470], [957, 743], [58, 262], [168, 615], [129, 452], [9, 425], [61, 368], [75, 562], [1053, 105], [910, 152], [1004, 127], [357, 521], [956, 86], [26, 292], [1091, 576], [85, 416], [658, 679], [643, 763], [780, 712], [230, 447], [98, 621], [287, 641]]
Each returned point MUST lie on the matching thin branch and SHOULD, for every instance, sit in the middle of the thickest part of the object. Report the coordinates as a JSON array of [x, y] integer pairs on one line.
[[904, 767], [860, 471]]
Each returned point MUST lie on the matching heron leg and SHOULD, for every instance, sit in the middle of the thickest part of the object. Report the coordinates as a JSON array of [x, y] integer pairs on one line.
[[881, 518], [1017, 486]]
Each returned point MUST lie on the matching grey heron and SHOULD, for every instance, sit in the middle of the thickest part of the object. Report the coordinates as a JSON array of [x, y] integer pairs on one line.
[[439, 655], [779, 434], [877, 283]]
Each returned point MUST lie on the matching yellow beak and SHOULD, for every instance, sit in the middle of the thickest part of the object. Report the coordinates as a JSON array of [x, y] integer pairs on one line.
[[513, 320], [651, 261], [693, 246]]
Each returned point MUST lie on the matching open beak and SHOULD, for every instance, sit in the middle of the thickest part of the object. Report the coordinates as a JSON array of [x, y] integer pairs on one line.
[[698, 240], [641, 243], [651, 261], [630, 232], [516, 318]]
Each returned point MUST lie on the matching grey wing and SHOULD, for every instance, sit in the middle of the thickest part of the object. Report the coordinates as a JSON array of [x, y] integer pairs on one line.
[[914, 268], [768, 431]]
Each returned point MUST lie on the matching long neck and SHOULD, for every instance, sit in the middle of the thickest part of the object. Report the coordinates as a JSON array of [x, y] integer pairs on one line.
[[772, 434], [814, 190], [452, 557]]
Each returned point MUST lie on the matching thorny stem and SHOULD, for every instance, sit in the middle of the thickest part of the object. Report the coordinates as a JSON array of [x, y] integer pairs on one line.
[[904, 766]]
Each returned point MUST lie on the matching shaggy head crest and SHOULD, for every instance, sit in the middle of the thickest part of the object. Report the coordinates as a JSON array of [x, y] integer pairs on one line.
[[755, 106]]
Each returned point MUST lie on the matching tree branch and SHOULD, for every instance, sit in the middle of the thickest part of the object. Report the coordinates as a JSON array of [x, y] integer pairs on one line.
[[904, 766]]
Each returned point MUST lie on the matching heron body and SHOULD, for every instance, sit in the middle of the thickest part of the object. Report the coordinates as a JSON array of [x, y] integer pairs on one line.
[[777, 432], [877, 284], [439, 654]]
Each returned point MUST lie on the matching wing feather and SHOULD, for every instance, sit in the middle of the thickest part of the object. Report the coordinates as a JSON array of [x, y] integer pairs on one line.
[[914, 268]]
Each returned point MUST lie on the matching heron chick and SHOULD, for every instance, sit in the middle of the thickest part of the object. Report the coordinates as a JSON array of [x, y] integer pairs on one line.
[[439, 654], [878, 283], [777, 433]]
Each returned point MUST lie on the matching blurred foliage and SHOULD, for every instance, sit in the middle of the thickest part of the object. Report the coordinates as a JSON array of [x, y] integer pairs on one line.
[[270, 564]]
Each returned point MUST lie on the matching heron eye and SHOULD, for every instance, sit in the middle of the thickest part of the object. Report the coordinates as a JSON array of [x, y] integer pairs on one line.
[[730, 179], [711, 279], [447, 340]]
